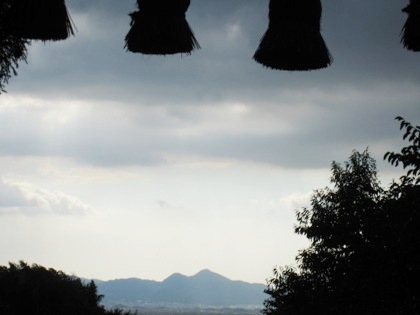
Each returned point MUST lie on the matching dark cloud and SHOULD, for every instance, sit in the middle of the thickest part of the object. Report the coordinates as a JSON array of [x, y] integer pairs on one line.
[[147, 108], [363, 38]]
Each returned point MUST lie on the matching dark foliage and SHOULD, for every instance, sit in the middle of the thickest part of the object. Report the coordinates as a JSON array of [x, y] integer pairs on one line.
[[409, 156], [36, 290], [363, 257]]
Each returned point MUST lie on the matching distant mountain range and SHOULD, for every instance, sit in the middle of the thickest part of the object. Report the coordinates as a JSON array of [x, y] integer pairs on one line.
[[205, 288]]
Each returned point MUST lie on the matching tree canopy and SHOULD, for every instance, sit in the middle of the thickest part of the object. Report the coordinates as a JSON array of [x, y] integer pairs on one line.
[[37, 290], [363, 254]]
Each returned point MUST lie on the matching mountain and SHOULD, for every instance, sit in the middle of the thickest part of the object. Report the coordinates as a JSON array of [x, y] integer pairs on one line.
[[205, 288]]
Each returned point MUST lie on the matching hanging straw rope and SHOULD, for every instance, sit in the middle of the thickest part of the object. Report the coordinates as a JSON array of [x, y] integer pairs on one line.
[[12, 49], [410, 34], [160, 28], [293, 40], [40, 20]]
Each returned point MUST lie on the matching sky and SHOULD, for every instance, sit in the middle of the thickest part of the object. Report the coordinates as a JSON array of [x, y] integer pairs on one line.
[[117, 165]]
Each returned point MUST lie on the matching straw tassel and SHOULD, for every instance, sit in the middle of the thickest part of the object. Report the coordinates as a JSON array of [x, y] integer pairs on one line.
[[40, 20], [410, 34], [160, 28], [293, 40], [12, 49]]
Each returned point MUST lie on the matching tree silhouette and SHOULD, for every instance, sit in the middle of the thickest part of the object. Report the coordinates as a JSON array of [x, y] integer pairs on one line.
[[36, 290], [410, 155], [363, 256]]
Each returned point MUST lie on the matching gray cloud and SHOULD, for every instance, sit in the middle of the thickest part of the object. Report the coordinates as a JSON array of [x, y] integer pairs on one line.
[[363, 37], [162, 204], [100, 105], [304, 130]]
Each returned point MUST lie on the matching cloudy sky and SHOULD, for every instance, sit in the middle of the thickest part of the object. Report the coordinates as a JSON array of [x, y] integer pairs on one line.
[[117, 165]]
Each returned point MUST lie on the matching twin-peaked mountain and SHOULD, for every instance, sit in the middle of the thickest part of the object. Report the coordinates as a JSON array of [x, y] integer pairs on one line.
[[204, 288]]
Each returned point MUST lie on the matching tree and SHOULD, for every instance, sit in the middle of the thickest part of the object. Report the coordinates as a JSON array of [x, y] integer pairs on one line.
[[402, 212], [36, 290], [363, 254], [410, 155], [12, 48], [338, 224]]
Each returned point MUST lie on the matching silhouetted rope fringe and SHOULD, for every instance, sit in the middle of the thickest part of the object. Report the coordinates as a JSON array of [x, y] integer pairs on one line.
[[410, 33], [293, 40], [160, 28], [12, 49], [40, 20]]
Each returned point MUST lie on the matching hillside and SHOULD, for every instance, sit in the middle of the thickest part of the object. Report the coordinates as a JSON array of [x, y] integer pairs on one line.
[[205, 288]]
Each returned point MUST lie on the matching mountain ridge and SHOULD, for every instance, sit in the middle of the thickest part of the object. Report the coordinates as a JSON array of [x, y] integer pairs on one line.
[[205, 288]]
